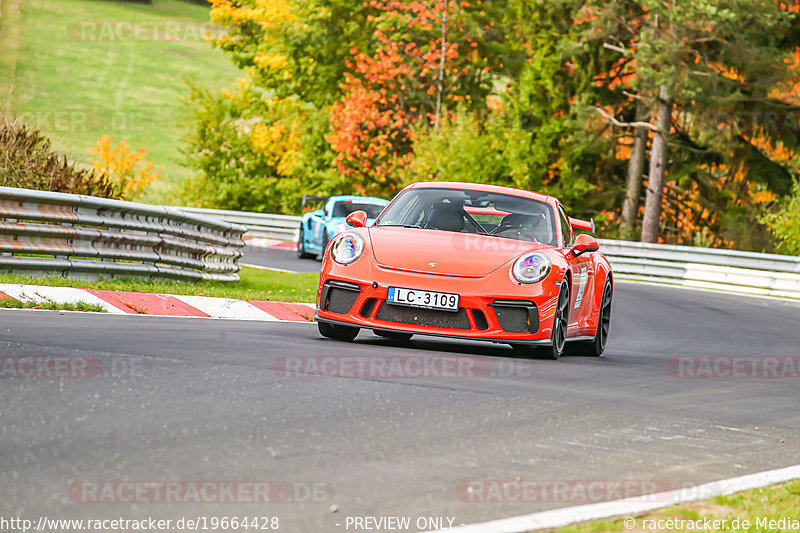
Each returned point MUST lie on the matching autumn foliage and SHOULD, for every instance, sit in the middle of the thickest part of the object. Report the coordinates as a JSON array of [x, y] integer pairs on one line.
[[425, 62], [127, 170], [349, 96]]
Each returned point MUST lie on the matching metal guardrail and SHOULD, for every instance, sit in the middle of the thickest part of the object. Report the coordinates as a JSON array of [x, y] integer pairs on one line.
[[284, 227], [43, 233], [710, 268]]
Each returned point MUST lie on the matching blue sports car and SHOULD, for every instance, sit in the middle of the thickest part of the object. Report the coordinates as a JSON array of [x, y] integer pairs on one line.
[[318, 227]]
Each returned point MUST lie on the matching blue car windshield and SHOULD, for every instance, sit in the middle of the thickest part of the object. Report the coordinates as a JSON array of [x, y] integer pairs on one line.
[[468, 211], [344, 208]]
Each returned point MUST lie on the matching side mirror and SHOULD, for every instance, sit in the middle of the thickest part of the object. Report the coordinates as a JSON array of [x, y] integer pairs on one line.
[[319, 213], [357, 219], [584, 243]]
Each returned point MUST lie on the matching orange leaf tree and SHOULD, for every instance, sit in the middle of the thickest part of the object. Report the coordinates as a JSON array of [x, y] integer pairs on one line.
[[426, 61]]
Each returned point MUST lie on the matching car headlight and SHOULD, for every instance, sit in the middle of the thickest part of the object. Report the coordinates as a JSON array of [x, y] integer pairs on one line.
[[531, 268], [340, 227], [347, 248]]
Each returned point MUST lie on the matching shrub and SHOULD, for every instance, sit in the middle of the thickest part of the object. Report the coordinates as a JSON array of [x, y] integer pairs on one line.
[[784, 222], [129, 171], [28, 161]]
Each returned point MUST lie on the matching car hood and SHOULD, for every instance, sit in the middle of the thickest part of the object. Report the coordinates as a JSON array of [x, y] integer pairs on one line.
[[443, 252]]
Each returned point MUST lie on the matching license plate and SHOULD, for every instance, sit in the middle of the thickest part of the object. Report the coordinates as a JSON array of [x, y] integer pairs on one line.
[[425, 299]]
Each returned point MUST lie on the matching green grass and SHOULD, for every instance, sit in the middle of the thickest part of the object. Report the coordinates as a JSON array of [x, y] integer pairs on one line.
[[770, 503], [129, 88], [253, 285], [11, 303]]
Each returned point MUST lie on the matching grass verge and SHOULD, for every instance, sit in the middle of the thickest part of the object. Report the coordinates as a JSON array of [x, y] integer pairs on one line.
[[11, 303], [253, 285], [77, 69], [762, 509]]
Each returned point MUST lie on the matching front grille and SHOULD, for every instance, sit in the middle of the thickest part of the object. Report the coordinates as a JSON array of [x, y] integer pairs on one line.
[[340, 300], [423, 317], [517, 316]]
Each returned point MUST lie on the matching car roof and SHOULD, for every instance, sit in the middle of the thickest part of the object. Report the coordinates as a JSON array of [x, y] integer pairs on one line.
[[358, 198], [481, 187]]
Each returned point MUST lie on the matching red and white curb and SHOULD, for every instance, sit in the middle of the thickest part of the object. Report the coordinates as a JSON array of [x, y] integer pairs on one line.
[[139, 303]]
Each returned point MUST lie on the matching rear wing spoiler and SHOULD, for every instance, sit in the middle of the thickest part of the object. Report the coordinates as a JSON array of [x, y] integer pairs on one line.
[[307, 198], [586, 225]]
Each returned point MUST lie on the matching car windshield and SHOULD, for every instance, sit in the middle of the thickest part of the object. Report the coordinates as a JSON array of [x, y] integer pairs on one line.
[[345, 207], [468, 211]]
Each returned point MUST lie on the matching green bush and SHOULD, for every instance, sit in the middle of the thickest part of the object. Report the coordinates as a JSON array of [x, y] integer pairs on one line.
[[784, 222], [257, 152], [28, 161]]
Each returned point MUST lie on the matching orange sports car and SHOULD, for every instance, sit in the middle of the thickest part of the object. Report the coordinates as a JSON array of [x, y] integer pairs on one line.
[[469, 261]]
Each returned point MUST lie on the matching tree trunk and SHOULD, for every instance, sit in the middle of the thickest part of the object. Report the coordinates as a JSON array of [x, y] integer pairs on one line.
[[440, 80], [658, 163], [633, 189]]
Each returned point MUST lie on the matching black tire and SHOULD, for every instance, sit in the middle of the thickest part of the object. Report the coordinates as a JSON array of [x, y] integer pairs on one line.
[[340, 333], [325, 239], [301, 246], [395, 335], [558, 338], [596, 346]]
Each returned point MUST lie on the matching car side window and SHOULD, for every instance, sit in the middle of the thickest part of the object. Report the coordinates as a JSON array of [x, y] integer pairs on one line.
[[566, 227], [329, 208]]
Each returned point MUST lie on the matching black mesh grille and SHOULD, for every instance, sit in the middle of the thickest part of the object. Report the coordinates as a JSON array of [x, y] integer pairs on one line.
[[513, 319], [480, 319], [423, 317], [367, 308], [340, 300]]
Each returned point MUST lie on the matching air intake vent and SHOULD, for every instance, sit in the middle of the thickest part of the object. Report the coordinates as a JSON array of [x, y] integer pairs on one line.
[[423, 317], [338, 296], [480, 319], [517, 316], [367, 308]]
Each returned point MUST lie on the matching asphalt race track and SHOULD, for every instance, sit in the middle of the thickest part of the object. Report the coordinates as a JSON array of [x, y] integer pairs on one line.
[[190, 400], [278, 258]]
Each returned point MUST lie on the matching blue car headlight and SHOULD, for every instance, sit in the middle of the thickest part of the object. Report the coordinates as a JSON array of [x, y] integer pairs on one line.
[[347, 248], [531, 268]]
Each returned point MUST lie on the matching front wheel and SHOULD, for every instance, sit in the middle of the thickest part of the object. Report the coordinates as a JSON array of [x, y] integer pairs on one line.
[[301, 245], [339, 333], [596, 346], [560, 322]]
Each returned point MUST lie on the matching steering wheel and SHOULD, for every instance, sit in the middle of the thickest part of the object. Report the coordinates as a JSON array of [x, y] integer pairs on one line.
[[521, 230]]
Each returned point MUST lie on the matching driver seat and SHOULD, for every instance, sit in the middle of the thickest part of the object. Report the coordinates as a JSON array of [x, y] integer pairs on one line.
[[446, 217]]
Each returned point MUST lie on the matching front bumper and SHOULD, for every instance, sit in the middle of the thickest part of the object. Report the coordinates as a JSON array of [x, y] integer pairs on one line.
[[514, 315]]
